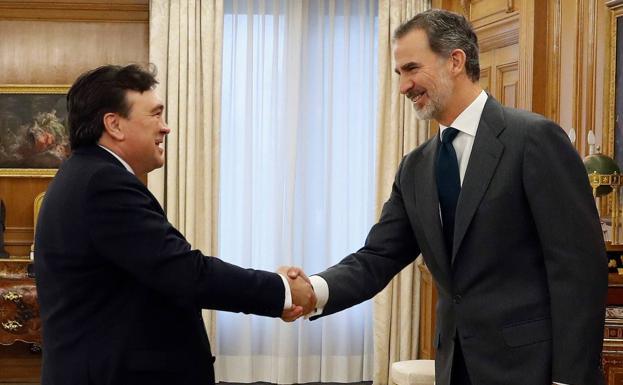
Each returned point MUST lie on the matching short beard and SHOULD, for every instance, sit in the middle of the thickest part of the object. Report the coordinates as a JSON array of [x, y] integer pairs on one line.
[[428, 112], [437, 102]]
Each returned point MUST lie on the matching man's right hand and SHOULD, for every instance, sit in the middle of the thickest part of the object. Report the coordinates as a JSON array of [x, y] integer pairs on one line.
[[302, 293]]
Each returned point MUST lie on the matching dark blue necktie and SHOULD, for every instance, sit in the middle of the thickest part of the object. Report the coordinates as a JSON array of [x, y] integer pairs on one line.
[[448, 184]]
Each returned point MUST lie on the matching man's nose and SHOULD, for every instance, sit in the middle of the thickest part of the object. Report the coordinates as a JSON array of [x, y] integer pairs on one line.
[[405, 85]]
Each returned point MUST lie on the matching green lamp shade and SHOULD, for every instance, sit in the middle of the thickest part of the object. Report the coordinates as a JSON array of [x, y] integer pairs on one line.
[[601, 164]]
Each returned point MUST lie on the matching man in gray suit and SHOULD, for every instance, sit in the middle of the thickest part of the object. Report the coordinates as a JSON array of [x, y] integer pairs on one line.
[[500, 207]]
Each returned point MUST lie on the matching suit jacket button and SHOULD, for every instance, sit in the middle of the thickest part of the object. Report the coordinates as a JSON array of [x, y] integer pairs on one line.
[[456, 299]]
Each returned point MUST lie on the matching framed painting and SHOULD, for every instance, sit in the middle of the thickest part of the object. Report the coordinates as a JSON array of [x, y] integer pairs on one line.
[[613, 117], [34, 139]]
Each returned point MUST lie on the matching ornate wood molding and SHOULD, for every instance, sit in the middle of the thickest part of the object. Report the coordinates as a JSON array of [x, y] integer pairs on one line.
[[119, 11], [18, 236], [502, 87], [479, 14], [499, 33], [526, 54], [614, 3]]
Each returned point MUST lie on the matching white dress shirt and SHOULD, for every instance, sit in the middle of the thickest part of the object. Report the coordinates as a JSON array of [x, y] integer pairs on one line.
[[467, 125], [123, 162], [287, 303]]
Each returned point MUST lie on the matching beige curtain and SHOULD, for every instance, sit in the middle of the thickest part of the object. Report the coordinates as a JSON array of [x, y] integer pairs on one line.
[[397, 307], [185, 43]]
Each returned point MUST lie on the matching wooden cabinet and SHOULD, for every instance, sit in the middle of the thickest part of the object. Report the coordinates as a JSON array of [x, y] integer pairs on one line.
[[20, 325], [612, 358], [19, 310]]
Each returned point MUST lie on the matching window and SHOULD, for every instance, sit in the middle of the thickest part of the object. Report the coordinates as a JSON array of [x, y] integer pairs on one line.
[[297, 175]]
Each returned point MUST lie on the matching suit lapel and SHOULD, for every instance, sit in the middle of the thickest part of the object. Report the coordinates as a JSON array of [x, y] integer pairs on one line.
[[427, 203], [484, 158]]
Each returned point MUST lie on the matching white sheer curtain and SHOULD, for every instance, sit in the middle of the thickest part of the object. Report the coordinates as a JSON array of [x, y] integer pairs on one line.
[[397, 307], [297, 175]]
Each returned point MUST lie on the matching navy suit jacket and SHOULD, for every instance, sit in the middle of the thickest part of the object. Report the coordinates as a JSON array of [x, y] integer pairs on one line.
[[524, 285], [121, 290]]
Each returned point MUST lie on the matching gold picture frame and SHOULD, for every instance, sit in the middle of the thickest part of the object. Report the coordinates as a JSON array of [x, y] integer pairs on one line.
[[613, 129], [33, 130]]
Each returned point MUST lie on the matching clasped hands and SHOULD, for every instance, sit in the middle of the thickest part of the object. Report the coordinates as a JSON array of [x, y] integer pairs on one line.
[[303, 296]]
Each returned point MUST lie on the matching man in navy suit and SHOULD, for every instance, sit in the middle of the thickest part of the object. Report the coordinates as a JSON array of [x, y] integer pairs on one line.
[[499, 206], [120, 289]]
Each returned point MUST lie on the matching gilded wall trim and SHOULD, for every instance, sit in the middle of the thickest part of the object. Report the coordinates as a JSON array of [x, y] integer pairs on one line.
[[554, 36]]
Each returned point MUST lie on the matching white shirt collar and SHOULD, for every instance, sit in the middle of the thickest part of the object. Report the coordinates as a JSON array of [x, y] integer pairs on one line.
[[123, 162], [468, 120]]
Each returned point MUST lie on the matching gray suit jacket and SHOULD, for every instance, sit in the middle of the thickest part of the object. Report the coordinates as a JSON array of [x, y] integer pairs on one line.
[[524, 286]]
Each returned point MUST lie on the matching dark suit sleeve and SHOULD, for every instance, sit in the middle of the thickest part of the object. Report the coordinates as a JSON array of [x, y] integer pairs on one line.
[[128, 227], [567, 223], [389, 247]]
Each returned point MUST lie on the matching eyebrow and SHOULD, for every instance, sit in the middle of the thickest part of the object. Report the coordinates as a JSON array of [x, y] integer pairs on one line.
[[406, 67], [158, 108]]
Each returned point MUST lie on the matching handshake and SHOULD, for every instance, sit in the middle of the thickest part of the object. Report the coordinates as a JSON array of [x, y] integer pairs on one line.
[[303, 296]]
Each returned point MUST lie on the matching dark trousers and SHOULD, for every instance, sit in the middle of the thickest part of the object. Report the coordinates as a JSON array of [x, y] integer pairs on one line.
[[460, 376]]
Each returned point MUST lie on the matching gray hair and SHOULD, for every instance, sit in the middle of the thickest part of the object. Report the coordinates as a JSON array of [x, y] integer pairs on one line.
[[446, 31]]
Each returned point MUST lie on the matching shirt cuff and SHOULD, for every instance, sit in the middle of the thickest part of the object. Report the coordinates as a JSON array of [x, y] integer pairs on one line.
[[287, 301], [321, 289]]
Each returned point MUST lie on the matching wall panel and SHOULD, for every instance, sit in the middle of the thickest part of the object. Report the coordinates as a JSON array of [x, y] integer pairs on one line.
[[44, 52], [481, 9]]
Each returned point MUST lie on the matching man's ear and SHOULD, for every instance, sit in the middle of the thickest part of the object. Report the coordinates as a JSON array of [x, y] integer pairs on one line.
[[111, 126], [458, 58]]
